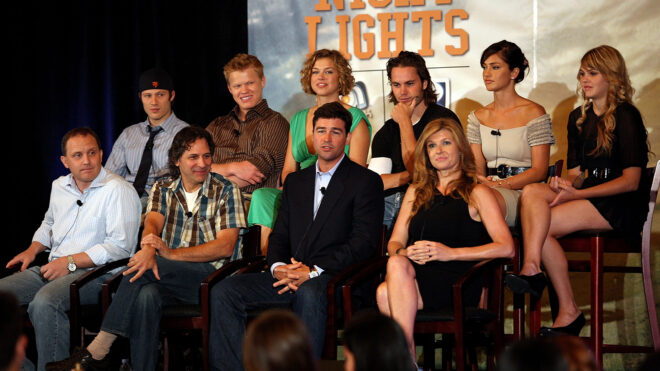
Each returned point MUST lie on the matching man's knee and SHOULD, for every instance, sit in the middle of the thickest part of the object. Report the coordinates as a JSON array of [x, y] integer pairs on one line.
[[46, 300], [149, 298], [224, 293], [311, 295]]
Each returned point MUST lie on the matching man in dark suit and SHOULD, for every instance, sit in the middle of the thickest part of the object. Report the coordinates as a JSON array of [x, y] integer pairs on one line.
[[330, 218]]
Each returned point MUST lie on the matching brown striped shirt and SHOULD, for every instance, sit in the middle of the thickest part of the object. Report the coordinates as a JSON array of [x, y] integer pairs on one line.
[[261, 139], [218, 206]]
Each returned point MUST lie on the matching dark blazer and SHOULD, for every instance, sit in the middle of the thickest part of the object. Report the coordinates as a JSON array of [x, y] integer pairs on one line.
[[347, 225]]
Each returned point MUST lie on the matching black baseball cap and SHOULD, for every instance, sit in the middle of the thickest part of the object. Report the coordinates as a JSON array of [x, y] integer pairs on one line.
[[155, 78]]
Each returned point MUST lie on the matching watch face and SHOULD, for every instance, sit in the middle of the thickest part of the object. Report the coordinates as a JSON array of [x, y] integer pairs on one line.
[[72, 267]]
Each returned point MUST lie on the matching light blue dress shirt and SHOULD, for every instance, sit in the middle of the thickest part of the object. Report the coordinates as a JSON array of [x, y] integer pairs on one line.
[[104, 224], [322, 181], [127, 150]]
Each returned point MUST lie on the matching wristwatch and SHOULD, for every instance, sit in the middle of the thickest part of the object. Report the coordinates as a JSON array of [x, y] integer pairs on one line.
[[313, 273], [72, 265]]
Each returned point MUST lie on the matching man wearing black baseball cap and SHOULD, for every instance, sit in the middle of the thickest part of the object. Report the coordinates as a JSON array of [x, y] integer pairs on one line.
[[140, 152]]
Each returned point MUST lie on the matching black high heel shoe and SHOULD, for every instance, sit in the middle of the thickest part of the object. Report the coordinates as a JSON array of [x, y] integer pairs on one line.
[[572, 329], [534, 285]]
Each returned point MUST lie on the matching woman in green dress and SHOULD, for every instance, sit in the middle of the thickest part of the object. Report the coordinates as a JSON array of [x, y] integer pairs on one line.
[[327, 75]]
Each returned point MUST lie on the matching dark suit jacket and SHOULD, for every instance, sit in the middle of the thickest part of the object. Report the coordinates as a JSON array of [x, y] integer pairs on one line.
[[347, 225]]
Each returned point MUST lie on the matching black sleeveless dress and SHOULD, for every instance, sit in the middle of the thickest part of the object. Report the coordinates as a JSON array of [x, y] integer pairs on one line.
[[626, 212], [446, 220]]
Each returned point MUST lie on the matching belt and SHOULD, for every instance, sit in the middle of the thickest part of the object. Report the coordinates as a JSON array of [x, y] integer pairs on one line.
[[602, 173], [505, 171]]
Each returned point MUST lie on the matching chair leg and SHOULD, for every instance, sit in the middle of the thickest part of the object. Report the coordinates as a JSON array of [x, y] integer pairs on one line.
[[534, 316], [518, 300], [166, 354], [597, 299], [205, 348], [447, 355], [650, 296], [518, 317], [472, 356], [554, 301], [460, 350], [428, 346]]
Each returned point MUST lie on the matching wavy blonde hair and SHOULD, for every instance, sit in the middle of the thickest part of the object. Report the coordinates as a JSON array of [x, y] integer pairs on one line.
[[609, 62], [346, 79], [425, 176]]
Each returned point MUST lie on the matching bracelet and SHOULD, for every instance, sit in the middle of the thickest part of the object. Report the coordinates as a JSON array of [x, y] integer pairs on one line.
[[399, 249]]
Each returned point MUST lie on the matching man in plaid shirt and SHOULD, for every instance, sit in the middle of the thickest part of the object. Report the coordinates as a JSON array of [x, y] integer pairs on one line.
[[191, 227]]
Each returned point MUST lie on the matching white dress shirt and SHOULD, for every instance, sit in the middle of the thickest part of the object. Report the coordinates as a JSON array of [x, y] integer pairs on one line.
[[102, 221]]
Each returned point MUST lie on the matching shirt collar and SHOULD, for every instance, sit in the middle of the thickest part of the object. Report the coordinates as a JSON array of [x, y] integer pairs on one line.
[[330, 172], [99, 181], [177, 184], [260, 110], [167, 125]]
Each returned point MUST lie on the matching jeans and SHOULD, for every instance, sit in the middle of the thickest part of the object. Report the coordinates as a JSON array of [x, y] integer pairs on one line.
[[48, 304], [392, 206], [234, 296], [135, 311]]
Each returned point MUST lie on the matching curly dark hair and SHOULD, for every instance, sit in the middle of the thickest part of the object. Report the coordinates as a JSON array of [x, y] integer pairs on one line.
[[411, 59], [346, 79], [182, 142]]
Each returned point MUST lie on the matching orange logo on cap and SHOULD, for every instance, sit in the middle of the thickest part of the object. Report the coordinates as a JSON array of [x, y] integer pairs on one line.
[[154, 84]]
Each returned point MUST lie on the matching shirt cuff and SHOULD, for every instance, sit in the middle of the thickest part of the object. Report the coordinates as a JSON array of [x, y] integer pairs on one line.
[[381, 165], [275, 265], [318, 269]]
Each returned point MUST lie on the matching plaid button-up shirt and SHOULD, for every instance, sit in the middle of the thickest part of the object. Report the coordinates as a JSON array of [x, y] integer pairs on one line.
[[218, 206]]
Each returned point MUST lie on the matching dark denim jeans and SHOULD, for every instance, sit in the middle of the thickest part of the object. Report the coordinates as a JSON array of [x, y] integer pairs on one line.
[[136, 307], [234, 296]]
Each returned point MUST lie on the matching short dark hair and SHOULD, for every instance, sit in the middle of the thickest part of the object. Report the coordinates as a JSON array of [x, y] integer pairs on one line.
[[411, 59], [333, 110], [83, 131], [182, 142], [11, 326], [377, 342], [511, 54], [278, 341]]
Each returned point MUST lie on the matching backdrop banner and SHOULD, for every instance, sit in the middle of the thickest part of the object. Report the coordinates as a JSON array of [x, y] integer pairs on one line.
[[451, 36]]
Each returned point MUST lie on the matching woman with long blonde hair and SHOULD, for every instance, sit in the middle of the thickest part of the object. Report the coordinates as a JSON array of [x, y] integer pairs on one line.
[[447, 222], [607, 140]]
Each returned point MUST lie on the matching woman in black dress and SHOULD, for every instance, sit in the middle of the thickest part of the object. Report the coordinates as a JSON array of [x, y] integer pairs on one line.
[[447, 222], [607, 139]]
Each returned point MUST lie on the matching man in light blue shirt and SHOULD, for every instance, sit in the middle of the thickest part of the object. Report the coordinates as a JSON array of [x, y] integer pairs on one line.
[[140, 152], [92, 219]]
